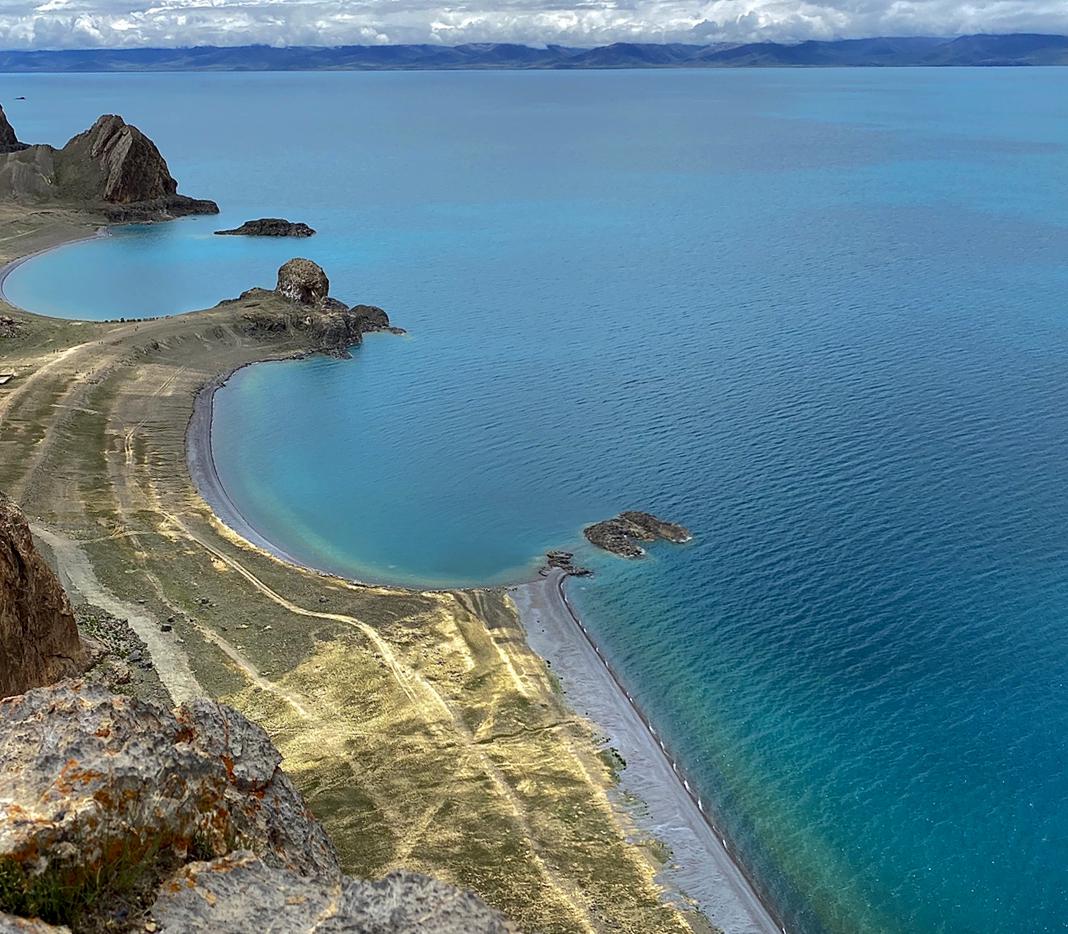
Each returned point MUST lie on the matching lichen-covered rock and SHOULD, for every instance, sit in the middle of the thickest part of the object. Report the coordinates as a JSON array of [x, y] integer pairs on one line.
[[263, 807], [269, 227], [304, 282], [94, 783], [39, 640], [239, 894]]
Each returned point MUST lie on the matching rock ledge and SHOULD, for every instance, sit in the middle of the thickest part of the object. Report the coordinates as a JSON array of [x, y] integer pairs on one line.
[[268, 227]]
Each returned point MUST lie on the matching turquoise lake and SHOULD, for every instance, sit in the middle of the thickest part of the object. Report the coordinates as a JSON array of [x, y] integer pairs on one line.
[[820, 317]]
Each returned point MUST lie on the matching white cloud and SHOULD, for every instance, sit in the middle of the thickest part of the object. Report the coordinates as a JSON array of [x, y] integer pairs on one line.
[[130, 23]]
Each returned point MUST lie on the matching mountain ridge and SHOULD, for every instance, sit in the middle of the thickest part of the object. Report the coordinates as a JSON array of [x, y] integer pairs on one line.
[[983, 50]]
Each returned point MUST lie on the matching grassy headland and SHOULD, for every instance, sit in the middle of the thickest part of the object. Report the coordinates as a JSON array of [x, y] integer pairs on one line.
[[422, 729]]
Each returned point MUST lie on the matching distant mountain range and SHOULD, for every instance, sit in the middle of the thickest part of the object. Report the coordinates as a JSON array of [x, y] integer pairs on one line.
[[982, 50]]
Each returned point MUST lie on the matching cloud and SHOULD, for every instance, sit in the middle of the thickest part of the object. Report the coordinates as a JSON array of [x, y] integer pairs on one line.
[[25, 24]]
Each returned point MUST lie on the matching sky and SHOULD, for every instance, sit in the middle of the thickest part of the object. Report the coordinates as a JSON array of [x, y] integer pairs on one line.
[[29, 24]]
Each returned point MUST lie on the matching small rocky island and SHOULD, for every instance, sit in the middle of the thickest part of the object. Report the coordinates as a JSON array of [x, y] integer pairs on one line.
[[269, 227], [622, 534]]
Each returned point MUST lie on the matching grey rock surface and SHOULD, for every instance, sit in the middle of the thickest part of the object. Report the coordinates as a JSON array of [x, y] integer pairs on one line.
[[240, 894], [82, 771], [9, 141]]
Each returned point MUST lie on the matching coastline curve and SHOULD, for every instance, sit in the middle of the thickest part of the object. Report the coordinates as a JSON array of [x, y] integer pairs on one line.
[[8, 268], [677, 815]]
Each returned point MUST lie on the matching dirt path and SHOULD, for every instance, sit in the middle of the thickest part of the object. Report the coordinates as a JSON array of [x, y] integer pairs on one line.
[[77, 575]]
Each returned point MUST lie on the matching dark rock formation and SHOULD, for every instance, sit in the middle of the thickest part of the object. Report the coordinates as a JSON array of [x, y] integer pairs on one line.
[[111, 167], [182, 821], [372, 318], [241, 895], [269, 227], [332, 326], [38, 637], [303, 282], [9, 142], [564, 560], [622, 534]]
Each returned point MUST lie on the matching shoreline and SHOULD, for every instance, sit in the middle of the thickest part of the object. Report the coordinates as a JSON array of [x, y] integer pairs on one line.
[[727, 895], [5, 271], [675, 814]]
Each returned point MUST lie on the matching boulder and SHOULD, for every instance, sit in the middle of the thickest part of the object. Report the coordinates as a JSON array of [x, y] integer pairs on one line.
[[239, 894], [269, 227], [39, 640], [303, 282], [370, 318]]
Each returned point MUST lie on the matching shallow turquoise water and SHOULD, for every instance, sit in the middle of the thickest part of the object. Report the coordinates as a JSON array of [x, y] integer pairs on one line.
[[817, 316]]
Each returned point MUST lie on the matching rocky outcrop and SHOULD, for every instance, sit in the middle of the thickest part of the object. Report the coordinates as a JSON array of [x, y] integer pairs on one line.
[[622, 534], [371, 318], [9, 141], [329, 325], [564, 561], [119, 815], [242, 895], [38, 636], [269, 227], [112, 167], [304, 282]]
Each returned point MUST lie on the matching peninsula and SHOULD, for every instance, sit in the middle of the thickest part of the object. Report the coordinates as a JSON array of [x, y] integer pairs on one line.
[[420, 727]]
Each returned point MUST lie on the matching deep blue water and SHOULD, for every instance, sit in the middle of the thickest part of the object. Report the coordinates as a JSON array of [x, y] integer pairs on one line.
[[819, 317]]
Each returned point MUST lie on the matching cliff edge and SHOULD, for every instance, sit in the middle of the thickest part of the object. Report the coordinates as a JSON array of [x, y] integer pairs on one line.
[[39, 640]]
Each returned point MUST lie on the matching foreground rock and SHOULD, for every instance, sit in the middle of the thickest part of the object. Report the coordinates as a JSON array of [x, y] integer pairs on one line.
[[112, 168], [622, 534], [269, 227], [181, 820], [39, 640], [240, 894]]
